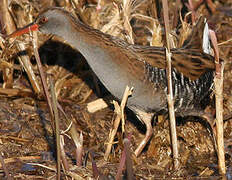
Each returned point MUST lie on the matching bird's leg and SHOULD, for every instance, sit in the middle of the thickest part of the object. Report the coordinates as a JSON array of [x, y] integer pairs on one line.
[[146, 118]]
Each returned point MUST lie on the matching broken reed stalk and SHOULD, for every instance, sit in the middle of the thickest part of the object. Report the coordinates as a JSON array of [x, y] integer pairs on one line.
[[65, 165], [7, 25], [120, 115], [77, 139], [129, 163], [121, 165], [25, 59], [46, 92], [79, 146], [57, 129], [125, 159], [96, 173], [218, 83], [27, 66], [169, 84], [96, 105], [193, 13], [42, 74]]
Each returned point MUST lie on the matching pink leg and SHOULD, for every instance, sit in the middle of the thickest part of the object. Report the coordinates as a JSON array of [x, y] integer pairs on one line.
[[146, 118]]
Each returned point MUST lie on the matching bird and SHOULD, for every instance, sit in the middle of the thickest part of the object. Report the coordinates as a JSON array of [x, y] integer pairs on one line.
[[118, 64]]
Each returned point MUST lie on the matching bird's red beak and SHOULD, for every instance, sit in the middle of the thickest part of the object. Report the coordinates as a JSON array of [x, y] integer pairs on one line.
[[26, 29]]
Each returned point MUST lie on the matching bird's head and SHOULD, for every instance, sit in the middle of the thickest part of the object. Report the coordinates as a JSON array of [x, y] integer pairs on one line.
[[54, 21]]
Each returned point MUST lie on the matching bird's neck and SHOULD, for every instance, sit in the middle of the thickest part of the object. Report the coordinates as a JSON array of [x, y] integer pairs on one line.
[[105, 57], [90, 42]]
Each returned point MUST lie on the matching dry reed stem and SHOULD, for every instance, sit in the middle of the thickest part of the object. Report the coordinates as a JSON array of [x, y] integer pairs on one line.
[[206, 172], [27, 66], [79, 150], [120, 115], [170, 91], [129, 164], [16, 92], [127, 8], [125, 159], [77, 139], [225, 42], [218, 83], [60, 143], [191, 9], [96, 105], [63, 154], [121, 165], [185, 31], [23, 158], [57, 130], [42, 74], [172, 115], [43, 166], [52, 107], [25, 60], [7, 25]]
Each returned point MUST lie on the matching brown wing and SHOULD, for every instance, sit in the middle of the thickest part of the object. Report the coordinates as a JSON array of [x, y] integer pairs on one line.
[[189, 60], [191, 63]]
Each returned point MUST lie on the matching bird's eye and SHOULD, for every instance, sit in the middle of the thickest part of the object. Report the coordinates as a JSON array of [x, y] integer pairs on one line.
[[43, 20]]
